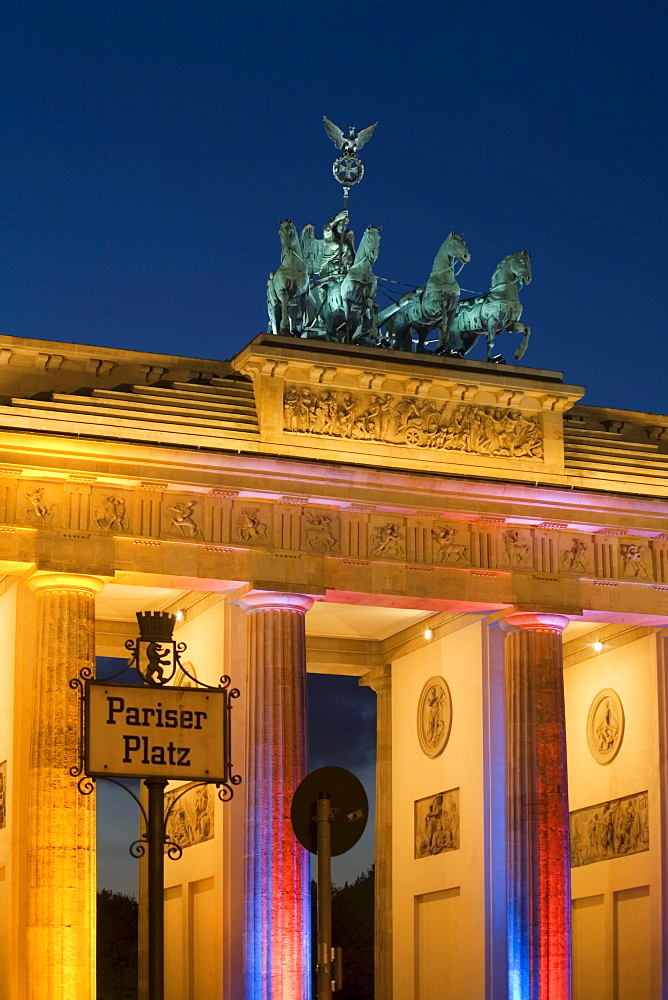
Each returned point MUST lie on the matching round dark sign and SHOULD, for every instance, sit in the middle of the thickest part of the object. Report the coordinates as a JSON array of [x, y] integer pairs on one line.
[[349, 806]]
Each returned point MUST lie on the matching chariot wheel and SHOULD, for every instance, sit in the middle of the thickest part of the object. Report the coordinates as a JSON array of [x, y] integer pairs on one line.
[[414, 436]]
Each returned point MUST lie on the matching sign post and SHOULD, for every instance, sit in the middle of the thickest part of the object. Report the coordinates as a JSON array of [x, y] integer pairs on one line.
[[329, 814], [324, 824], [156, 887], [155, 731]]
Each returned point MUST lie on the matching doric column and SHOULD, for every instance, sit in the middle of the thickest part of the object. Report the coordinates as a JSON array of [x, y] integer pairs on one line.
[[380, 680], [61, 821], [278, 960], [538, 842]]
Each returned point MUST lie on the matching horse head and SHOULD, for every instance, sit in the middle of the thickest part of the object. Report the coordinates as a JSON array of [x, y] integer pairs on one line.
[[369, 245], [456, 247], [514, 267], [523, 267], [287, 232]]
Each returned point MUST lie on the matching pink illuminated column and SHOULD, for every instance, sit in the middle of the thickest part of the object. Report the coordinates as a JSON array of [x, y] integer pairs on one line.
[[277, 868], [538, 842]]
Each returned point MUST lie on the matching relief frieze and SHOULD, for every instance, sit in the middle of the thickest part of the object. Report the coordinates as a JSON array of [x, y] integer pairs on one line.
[[190, 815], [319, 532], [250, 528], [413, 422], [447, 548], [38, 508], [610, 830], [575, 558], [112, 515], [634, 560], [183, 521], [517, 548], [387, 540], [437, 824]]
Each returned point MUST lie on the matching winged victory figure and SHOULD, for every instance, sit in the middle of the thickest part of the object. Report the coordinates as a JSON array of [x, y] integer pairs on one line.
[[350, 144]]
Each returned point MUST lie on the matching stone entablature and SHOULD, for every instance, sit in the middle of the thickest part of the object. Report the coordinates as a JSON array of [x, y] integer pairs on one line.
[[405, 410], [323, 402], [27, 366], [231, 537]]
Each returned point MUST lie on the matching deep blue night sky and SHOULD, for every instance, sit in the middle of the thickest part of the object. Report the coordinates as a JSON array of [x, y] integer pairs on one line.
[[149, 150]]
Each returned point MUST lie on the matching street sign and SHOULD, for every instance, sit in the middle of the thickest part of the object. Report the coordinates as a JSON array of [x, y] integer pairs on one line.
[[156, 732], [349, 808]]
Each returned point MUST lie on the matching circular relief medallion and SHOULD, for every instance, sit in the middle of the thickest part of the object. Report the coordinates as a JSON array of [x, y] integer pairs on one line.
[[605, 726], [434, 716]]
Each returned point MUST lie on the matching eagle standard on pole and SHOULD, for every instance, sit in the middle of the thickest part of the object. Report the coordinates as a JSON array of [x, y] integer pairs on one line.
[[348, 169]]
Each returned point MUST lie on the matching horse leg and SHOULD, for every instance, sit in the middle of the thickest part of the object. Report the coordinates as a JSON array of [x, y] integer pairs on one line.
[[468, 342], [404, 339], [446, 335], [355, 326], [526, 330], [497, 359], [271, 306], [285, 320], [422, 333]]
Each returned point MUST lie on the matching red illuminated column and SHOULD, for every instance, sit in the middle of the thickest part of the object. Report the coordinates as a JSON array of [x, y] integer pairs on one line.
[[538, 842], [277, 938]]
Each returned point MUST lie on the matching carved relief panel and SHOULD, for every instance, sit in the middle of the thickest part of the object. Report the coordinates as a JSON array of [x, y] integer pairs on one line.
[[605, 726], [252, 523], [451, 545], [575, 555], [38, 503], [434, 716], [613, 829], [517, 548], [635, 559], [191, 815], [412, 421], [437, 824], [110, 512], [182, 516], [320, 531], [387, 539]]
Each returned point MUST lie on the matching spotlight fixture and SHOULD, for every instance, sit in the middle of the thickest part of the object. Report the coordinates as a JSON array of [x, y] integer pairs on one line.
[[598, 646], [179, 615], [428, 633]]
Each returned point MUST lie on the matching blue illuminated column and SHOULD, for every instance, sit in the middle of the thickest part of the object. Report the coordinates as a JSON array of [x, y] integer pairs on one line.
[[277, 938], [538, 841]]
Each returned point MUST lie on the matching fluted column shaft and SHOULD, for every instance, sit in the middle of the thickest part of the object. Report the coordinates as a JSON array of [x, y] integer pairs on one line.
[[380, 681], [538, 842], [61, 821], [277, 868]]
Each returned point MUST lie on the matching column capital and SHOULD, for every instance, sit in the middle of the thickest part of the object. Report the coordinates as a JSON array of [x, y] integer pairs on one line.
[[534, 621], [272, 600], [378, 678], [66, 581]]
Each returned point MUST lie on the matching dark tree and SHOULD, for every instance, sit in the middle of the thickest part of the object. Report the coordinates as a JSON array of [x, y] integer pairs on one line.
[[117, 924], [352, 930]]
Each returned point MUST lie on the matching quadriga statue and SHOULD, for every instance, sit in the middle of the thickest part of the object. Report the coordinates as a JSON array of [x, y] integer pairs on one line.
[[430, 307]]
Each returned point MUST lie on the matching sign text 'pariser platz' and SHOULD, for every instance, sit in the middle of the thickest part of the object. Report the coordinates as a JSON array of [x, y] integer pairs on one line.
[[148, 732]]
